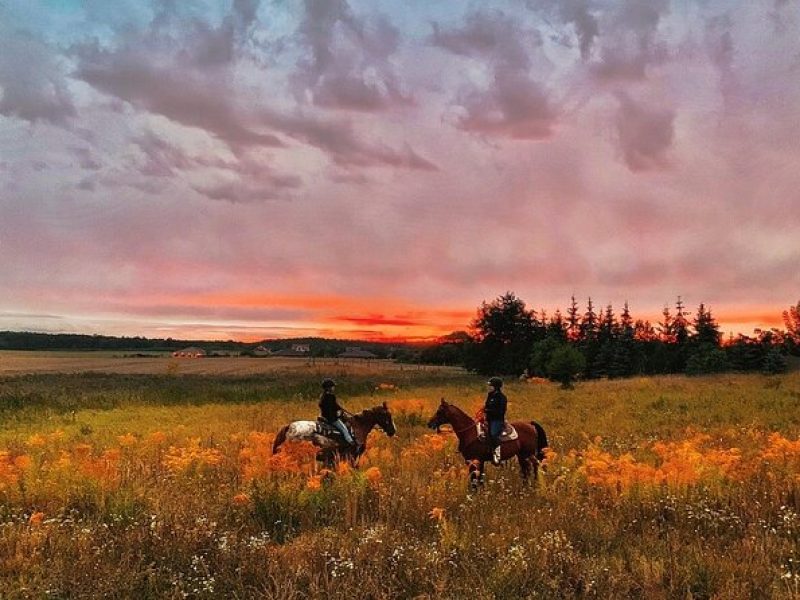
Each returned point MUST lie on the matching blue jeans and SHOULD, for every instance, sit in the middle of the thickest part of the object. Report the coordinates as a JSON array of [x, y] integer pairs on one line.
[[495, 429], [343, 430]]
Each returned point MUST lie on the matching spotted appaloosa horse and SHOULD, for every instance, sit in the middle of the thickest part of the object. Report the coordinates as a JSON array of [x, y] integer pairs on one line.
[[528, 446], [332, 451]]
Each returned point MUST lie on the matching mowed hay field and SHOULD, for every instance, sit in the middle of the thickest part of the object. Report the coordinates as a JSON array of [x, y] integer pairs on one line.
[[163, 485]]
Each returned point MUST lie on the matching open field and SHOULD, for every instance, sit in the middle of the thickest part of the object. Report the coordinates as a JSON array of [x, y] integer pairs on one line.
[[163, 485], [18, 362]]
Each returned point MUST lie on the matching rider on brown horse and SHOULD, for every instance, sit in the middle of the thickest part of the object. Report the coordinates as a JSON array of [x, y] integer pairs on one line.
[[495, 410], [332, 412]]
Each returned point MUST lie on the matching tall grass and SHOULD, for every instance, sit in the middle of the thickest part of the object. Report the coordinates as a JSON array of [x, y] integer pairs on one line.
[[162, 488]]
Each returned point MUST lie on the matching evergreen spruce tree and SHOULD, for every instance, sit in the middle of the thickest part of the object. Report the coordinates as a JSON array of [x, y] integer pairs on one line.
[[606, 340], [706, 329], [564, 365], [774, 362], [556, 328], [679, 353], [608, 327], [680, 324], [625, 360], [626, 321], [589, 323], [643, 331], [666, 332], [573, 322], [588, 344], [542, 325]]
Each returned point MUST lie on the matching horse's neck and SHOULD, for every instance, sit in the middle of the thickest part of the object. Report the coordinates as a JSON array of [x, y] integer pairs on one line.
[[363, 422], [462, 423]]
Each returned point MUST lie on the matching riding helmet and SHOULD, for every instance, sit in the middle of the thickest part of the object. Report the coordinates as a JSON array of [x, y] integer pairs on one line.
[[328, 384], [496, 382]]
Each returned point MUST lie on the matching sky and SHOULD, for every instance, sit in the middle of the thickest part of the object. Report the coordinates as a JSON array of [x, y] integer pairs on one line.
[[253, 169]]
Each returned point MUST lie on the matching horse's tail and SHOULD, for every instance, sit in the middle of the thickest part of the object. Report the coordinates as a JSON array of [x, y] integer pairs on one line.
[[279, 439], [541, 440]]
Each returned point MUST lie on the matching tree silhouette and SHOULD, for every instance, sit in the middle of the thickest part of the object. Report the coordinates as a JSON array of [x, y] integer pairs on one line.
[[503, 333], [706, 329], [573, 321]]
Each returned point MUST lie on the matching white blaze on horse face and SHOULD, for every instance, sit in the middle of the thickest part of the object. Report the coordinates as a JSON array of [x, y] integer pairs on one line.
[[301, 431]]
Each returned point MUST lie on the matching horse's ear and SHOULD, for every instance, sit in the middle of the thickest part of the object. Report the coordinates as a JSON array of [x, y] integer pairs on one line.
[[385, 405], [443, 402]]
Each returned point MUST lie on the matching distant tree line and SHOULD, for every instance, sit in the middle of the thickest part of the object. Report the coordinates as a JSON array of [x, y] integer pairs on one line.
[[508, 338], [319, 347]]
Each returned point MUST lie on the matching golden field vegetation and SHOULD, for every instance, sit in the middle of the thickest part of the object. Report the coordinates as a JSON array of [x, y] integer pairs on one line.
[[164, 486], [17, 362]]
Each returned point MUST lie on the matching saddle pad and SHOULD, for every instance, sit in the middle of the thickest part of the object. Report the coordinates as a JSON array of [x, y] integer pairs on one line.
[[509, 434], [328, 430]]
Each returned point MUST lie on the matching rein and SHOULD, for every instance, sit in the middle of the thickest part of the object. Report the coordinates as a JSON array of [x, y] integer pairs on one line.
[[467, 428]]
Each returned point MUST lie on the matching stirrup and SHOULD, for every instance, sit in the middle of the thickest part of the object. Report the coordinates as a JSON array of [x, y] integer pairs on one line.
[[496, 456]]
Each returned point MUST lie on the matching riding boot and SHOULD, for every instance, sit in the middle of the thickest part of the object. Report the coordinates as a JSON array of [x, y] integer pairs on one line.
[[496, 454]]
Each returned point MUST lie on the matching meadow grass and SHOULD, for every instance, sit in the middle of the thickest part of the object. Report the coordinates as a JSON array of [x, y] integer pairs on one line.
[[164, 486]]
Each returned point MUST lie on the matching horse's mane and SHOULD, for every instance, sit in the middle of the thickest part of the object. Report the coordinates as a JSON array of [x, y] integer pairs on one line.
[[459, 411], [367, 411]]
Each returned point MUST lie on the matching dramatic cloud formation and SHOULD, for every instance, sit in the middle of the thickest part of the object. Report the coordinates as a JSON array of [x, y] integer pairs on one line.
[[514, 105], [341, 167], [645, 134], [349, 66], [34, 88]]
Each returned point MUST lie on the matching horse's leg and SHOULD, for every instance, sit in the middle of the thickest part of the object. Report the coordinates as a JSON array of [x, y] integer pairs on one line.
[[482, 478], [475, 472], [524, 466]]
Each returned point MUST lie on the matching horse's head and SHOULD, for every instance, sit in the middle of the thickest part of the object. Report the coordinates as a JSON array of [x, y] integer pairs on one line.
[[441, 417], [383, 419]]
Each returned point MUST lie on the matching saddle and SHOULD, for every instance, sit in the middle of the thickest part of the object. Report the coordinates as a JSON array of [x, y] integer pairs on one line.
[[329, 431], [508, 434]]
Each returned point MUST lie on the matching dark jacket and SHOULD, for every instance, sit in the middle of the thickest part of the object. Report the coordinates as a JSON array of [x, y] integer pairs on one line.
[[495, 406], [329, 407]]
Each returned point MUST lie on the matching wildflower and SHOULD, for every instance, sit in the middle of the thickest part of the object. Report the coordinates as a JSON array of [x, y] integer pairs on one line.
[[36, 518], [410, 406], [437, 513], [314, 483], [8, 475], [82, 451], [373, 475], [191, 456], [241, 499], [22, 462], [157, 438], [127, 440], [36, 441], [343, 468]]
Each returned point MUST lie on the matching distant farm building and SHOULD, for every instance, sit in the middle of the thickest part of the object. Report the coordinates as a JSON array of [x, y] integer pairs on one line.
[[297, 350], [261, 351], [357, 352], [190, 352]]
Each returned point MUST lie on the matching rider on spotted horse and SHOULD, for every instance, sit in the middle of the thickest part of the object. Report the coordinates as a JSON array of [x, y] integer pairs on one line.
[[331, 412], [494, 410]]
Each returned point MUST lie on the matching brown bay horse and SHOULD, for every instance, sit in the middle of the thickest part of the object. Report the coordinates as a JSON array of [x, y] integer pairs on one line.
[[528, 447], [332, 450]]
